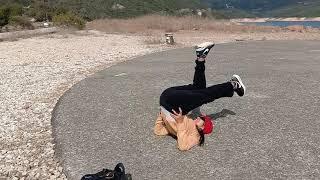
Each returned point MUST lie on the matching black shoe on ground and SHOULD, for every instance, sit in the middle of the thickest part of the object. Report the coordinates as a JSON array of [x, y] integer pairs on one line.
[[239, 88], [202, 50], [104, 174], [117, 174]]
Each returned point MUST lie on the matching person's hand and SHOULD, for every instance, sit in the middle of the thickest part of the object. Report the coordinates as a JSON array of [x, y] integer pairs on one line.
[[178, 116], [162, 115]]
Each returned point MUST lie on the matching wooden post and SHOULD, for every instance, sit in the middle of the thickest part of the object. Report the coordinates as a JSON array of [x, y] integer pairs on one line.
[[169, 38]]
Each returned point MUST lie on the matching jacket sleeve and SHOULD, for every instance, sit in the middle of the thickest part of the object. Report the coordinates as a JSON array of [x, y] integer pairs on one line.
[[186, 135], [159, 128]]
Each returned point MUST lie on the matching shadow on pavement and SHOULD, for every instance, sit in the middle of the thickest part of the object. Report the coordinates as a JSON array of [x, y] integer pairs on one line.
[[222, 113]]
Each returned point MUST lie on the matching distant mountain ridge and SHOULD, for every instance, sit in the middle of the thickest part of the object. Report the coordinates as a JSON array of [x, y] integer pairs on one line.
[[93, 9]]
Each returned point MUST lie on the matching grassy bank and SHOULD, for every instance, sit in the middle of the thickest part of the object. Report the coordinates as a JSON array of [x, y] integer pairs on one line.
[[149, 23]]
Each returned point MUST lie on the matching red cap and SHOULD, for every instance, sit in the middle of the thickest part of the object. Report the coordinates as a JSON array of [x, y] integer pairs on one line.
[[208, 125]]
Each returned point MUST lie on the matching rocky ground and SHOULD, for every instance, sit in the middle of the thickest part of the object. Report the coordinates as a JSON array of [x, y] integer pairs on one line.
[[35, 72]]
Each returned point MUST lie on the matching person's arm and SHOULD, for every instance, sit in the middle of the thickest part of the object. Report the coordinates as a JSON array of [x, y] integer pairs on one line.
[[186, 136], [159, 128]]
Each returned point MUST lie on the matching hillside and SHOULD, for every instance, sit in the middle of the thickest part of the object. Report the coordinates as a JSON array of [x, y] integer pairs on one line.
[[307, 9], [95, 9], [267, 8], [248, 5], [111, 8]]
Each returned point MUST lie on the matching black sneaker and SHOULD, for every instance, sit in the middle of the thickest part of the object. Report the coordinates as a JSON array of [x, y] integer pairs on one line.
[[239, 88], [203, 49], [117, 174], [104, 174]]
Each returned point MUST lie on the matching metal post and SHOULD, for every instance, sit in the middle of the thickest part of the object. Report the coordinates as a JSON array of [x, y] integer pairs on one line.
[[169, 38]]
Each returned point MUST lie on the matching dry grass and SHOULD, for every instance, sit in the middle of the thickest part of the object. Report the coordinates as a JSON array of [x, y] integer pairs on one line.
[[153, 40], [148, 23]]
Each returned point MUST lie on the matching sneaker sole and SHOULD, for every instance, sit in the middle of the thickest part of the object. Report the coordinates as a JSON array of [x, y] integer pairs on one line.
[[205, 45], [240, 81]]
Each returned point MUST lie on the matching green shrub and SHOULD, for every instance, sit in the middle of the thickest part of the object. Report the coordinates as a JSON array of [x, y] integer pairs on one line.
[[60, 10], [15, 9], [69, 19], [4, 16], [39, 13], [21, 21], [40, 10], [6, 12]]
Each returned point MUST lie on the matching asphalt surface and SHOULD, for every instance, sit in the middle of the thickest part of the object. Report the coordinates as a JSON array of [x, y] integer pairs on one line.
[[273, 132]]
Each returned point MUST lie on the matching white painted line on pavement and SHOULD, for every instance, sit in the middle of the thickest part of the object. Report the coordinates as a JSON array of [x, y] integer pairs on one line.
[[314, 50], [121, 74]]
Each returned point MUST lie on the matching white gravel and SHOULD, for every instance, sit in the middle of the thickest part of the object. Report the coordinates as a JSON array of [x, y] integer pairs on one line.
[[34, 73]]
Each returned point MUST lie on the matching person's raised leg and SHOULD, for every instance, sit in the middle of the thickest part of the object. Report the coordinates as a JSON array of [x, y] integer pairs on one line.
[[199, 78], [226, 89], [174, 95], [189, 100]]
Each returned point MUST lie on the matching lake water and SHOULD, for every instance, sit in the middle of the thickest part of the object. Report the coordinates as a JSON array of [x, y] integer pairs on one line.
[[314, 24]]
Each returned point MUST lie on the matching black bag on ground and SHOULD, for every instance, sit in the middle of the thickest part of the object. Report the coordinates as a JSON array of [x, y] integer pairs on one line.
[[117, 174]]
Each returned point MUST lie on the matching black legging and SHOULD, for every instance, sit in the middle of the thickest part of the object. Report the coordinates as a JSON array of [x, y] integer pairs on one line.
[[191, 96]]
